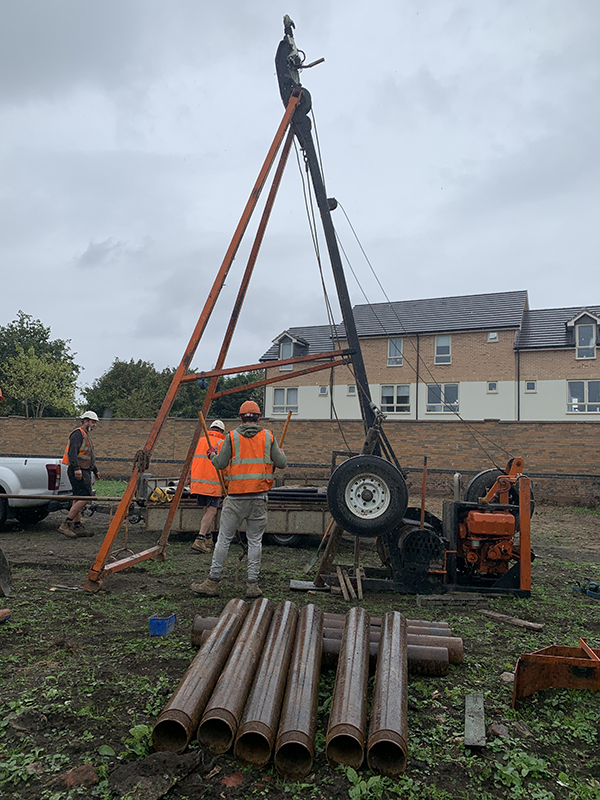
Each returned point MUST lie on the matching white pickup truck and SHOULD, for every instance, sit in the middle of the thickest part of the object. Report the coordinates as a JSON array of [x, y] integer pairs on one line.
[[26, 476]]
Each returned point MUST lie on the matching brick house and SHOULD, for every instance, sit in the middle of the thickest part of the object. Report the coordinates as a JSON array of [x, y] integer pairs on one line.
[[485, 356]]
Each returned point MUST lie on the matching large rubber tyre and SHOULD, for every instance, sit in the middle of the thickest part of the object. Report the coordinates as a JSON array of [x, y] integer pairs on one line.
[[31, 516], [3, 510], [284, 539], [367, 496]]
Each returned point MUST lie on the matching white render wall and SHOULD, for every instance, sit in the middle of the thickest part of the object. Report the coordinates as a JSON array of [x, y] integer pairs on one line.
[[548, 403]]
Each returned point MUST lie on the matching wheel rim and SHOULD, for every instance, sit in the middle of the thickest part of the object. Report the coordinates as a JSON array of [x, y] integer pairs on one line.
[[367, 496]]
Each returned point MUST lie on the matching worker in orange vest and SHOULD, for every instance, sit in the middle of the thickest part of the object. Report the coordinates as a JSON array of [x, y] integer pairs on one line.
[[251, 453], [79, 456], [205, 484]]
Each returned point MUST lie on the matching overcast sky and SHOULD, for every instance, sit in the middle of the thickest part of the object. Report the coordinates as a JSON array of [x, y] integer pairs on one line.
[[460, 137]]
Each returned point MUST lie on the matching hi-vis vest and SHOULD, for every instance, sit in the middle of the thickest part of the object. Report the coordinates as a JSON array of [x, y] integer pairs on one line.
[[204, 476], [84, 456], [250, 468]]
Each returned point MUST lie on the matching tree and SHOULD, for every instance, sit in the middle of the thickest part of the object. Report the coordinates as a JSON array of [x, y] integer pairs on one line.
[[17, 341], [40, 382], [137, 389]]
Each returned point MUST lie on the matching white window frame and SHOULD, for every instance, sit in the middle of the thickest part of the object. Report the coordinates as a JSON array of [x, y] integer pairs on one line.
[[442, 407], [443, 358], [584, 406], [580, 348], [395, 352], [532, 390], [351, 390], [323, 391], [492, 336], [288, 404], [283, 357], [495, 385], [396, 407]]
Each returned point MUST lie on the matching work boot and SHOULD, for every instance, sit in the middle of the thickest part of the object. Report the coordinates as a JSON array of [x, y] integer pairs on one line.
[[253, 590], [66, 528], [81, 532], [208, 588], [202, 544]]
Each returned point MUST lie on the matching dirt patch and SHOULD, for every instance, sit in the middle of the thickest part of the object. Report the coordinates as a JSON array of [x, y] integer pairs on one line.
[[83, 682]]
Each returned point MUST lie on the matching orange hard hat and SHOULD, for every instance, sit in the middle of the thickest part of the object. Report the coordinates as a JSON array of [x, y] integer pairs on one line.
[[249, 407]]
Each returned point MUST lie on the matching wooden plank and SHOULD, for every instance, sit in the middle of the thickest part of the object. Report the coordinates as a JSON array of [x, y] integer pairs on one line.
[[520, 623], [351, 591], [359, 589], [474, 720], [342, 583]]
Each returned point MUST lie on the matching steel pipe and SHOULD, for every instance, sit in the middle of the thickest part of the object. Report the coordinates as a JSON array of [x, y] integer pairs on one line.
[[179, 718], [295, 743], [223, 711], [432, 661], [375, 632], [423, 659], [256, 733], [346, 732], [453, 644], [387, 745], [333, 620]]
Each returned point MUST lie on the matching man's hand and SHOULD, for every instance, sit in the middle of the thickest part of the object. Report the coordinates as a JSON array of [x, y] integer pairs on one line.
[[78, 474], [212, 451]]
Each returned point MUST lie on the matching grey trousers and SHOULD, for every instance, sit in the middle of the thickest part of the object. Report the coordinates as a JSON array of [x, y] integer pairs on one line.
[[235, 510]]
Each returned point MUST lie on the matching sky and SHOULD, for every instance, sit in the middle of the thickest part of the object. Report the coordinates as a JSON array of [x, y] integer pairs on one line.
[[460, 137]]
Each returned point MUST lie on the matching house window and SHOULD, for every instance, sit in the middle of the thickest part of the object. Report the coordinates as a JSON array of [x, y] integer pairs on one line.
[[442, 397], [585, 336], [442, 350], [531, 386], [493, 336], [351, 389], [323, 391], [286, 350], [285, 400], [492, 387], [583, 396], [395, 399], [394, 353]]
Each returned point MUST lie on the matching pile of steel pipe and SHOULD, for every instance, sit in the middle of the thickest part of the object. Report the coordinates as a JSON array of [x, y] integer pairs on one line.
[[254, 685]]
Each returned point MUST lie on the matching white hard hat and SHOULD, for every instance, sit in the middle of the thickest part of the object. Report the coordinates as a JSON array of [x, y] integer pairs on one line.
[[89, 415], [218, 424]]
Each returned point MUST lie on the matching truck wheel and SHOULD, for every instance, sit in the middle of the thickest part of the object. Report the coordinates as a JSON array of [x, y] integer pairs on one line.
[[31, 516], [367, 496], [3, 510], [283, 539]]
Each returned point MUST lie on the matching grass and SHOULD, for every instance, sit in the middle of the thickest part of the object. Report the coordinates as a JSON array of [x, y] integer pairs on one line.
[[89, 681]]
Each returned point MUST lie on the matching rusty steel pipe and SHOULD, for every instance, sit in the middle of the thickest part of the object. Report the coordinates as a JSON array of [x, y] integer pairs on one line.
[[432, 661], [223, 711], [295, 742], [387, 744], [333, 620], [346, 732], [256, 733], [375, 632], [179, 718]]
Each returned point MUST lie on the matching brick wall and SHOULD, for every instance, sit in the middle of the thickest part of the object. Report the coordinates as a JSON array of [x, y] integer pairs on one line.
[[547, 447]]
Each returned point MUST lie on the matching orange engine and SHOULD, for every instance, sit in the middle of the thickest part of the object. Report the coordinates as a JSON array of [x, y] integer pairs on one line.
[[485, 541]]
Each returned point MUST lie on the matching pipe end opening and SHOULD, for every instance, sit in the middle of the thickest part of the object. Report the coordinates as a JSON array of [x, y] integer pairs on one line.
[[253, 748], [345, 750], [215, 735], [387, 758], [169, 735], [293, 761]]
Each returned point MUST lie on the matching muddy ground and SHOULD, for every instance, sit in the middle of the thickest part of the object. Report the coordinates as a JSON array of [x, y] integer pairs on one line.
[[82, 682]]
